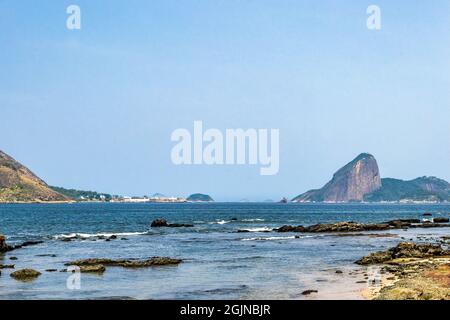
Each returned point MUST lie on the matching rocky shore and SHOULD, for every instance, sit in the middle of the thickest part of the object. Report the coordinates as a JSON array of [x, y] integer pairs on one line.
[[359, 227], [98, 265], [92, 265], [411, 271]]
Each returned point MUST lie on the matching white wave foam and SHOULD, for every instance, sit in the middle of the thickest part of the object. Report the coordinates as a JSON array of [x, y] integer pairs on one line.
[[260, 229], [268, 238], [91, 235], [220, 222]]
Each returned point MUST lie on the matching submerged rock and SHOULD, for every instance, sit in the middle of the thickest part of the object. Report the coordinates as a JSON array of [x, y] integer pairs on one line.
[[7, 266], [308, 292], [291, 229], [25, 274], [441, 220], [358, 227], [94, 268], [163, 223], [180, 225], [155, 261], [5, 248], [159, 223]]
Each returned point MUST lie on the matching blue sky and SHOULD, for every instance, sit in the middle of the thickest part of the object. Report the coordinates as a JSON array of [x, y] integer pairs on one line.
[[94, 108]]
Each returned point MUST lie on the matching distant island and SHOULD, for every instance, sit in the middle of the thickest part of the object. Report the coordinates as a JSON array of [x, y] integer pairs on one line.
[[199, 197], [360, 181]]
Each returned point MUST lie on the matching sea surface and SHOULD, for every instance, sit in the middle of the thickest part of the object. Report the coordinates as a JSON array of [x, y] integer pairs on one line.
[[218, 261]]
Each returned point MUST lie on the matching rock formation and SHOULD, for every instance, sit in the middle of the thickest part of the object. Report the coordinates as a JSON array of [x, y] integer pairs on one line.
[[350, 183], [19, 184]]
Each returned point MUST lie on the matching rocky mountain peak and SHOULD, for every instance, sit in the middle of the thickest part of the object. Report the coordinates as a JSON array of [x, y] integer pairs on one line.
[[352, 182]]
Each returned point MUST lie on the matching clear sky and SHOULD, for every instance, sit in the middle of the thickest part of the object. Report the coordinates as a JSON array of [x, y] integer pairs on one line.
[[94, 108]]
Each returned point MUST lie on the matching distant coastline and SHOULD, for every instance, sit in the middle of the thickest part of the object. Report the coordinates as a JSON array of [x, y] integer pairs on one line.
[[358, 181]]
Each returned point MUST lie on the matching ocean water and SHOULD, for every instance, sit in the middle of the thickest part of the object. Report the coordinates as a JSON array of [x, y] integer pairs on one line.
[[218, 261]]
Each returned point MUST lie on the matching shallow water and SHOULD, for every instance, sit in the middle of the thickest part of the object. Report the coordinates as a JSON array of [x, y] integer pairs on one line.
[[219, 262]]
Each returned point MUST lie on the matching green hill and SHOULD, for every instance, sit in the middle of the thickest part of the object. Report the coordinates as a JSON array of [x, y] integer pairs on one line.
[[420, 189], [198, 197], [79, 195], [19, 184]]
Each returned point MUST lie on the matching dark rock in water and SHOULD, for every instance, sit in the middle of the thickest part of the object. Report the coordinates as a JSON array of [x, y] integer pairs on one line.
[[159, 223], [51, 270], [291, 229], [441, 220], [308, 292], [31, 243], [7, 266], [358, 227], [163, 223], [351, 183], [180, 225], [13, 258], [3, 246], [404, 250], [336, 227], [243, 231], [25, 274], [96, 268], [155, 261], [430, 225], [113, 237], [426, 214], [339, 272], [234, 219], [284, 200]]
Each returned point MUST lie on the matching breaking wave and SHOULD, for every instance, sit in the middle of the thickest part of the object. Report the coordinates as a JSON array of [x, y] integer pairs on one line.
[[260, 229], [92, 235]]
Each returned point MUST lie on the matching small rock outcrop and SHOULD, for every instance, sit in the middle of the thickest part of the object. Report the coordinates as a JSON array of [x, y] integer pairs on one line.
[[125, 263], [308, 292], [3, 246], [404, 250], [158, 223], [441, 220], [25, 274], [358, 227], [291, 229]]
